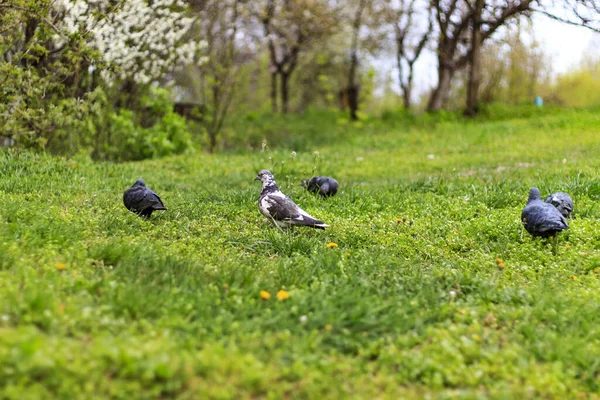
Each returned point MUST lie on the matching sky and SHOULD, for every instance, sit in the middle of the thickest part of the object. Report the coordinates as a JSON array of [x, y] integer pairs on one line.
[[565, 43]]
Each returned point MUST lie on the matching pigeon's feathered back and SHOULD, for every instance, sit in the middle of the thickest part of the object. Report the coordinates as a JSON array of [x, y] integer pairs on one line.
[[563, 203], [141, 200], [324, 185], [540, 218], [279, 208]]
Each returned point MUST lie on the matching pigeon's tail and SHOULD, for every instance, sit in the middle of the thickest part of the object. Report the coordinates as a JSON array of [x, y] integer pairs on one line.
[[159, 207], [307, 220], [322, 225], [315, 223]]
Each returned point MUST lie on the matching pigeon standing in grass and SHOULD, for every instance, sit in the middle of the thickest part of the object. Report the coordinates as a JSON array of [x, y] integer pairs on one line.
[[563, 203], [279, 208], [324, 185], [141, 200], [542, 219]]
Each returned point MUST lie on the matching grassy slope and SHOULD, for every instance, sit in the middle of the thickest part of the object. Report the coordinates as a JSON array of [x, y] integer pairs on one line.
[[171, 306]]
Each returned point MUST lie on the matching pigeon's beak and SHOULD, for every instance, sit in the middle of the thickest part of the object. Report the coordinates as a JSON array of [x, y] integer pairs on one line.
[[257, 178]]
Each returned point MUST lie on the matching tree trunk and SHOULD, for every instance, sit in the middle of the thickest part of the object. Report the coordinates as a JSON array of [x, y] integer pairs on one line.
[[407, 87], [274, 92], [406, 96], [475, 62], [441, 92], [216, 102], [352, 89], [353, 102], [284, 92]]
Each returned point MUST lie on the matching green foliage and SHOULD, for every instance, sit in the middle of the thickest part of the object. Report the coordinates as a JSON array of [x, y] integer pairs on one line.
[[577, 89], [167, 133], [40, 102], [50, 100], [431, 291]]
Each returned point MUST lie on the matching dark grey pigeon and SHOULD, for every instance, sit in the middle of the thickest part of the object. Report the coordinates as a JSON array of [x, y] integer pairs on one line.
[[540, 218], [324, 185], [563, 203], [141, 200], [279, 208]]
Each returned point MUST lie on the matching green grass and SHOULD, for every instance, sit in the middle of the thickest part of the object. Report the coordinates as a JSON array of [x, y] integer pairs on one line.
[[410, 303]]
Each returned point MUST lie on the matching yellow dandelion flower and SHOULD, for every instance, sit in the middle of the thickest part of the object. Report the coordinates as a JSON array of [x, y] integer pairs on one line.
[[574, 277], [398, 220], [331, 245], [596, 270], [282, 295], [500, 263], [265, 295], [61, 266], [328, 327]]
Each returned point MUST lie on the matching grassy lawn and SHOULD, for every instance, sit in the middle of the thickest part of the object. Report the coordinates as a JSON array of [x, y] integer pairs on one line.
[[432, 289]]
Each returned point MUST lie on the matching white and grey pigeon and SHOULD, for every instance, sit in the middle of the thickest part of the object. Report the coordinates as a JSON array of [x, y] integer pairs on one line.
[[279, 208], [324, 185], [141, 200], [563, 203], [540, 218]]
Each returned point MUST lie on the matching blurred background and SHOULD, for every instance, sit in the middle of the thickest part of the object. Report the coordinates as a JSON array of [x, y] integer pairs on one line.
[[135, 79]]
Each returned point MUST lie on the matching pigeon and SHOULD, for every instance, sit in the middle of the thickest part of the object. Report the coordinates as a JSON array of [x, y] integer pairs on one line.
[[324, 185], [279, 208], [141, 200], [540, 218], [563, 203]]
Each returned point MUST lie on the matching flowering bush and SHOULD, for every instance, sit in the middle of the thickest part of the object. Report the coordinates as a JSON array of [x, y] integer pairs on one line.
[[69, 67], [143, 39]]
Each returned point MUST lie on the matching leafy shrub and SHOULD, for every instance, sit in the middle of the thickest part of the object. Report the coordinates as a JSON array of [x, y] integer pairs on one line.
[[155, 131]]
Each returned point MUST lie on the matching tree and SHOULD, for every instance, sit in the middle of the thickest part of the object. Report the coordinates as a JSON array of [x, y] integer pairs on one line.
[[215, 81], [59, 57], [289, 28], [410, 41], [352, 88], [141, 40], [585, 13], [456, 48], [39, 65]]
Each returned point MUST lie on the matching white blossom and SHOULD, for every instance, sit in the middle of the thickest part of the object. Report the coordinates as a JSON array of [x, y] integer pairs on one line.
[[143, 39]]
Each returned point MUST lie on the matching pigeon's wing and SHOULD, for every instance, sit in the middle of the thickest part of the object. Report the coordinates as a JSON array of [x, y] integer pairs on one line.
[[333, 186], [133, 198], [324, 189], [543, 217], [140, 198], [313, 184], [282, 208], [156, 201]]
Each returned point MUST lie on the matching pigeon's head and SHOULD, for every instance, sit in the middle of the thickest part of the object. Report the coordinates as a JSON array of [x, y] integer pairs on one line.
[[265, 177], [139, 182], [534, 194], [304, 183]]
